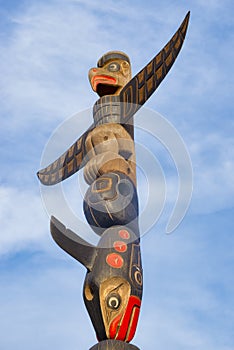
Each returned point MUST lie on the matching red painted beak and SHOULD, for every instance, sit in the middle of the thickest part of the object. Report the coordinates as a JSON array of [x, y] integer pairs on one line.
[[123, 327]]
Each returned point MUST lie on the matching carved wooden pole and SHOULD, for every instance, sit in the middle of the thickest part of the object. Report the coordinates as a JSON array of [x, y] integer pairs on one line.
[[113, 284]]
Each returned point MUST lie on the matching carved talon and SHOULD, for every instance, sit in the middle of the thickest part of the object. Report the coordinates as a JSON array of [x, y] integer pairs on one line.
[[108, 162]]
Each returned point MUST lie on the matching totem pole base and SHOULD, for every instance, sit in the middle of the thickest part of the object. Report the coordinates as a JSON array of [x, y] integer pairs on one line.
[[112, 344]]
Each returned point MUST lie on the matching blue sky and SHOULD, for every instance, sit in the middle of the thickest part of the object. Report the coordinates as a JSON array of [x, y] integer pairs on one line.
[[47, 48]]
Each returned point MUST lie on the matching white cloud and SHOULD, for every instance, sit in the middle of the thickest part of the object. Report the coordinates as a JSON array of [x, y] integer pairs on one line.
[[42, 306], [44, 64], [46, 53], [180, 309], [23, 220], [45, 59], [51, 46], [188, 286], [213, 163]]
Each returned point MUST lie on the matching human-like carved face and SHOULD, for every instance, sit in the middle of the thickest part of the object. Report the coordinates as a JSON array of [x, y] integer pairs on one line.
[[111, 78]]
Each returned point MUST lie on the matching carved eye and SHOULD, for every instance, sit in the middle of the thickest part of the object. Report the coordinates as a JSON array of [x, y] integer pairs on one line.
[[113, 67], [113, 301]]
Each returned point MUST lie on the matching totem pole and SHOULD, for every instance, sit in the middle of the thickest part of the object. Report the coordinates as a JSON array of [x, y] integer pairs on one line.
[[113, 284]]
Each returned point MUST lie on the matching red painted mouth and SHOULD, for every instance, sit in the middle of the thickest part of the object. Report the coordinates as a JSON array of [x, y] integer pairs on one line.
[[102, 79], [123, 327]]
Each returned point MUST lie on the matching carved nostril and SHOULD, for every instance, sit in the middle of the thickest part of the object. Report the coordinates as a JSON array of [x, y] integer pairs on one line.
[[94, 70]]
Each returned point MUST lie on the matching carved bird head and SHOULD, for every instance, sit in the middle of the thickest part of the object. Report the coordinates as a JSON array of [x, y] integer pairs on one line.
[[113, 284], [112, 73]]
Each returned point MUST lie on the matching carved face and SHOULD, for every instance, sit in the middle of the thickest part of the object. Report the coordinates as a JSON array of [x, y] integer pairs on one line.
[[111, 77], [113, 288], [113, 310], [120, 310]]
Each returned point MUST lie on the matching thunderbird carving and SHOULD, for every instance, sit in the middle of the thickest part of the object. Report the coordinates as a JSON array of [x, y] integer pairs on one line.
[[114, 280]]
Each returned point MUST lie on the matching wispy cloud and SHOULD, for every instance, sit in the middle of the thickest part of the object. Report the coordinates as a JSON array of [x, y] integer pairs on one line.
[[213, 163], [47, 49], [45, 61], [23, 220], [42, 305]]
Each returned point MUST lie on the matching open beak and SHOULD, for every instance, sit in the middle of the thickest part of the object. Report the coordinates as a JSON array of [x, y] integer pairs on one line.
[[102, 79]]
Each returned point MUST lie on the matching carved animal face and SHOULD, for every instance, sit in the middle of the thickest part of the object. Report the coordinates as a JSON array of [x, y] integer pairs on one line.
[[113, 288], [113, 284], [111, 77], [120, 310], [113, 309]]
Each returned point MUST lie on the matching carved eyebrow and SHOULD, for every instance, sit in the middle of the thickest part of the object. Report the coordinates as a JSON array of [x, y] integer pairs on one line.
[[116, 288], [112, 56]]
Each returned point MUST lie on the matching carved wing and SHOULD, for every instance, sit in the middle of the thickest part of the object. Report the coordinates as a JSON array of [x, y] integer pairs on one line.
[[133, 96], [141, 87], [67, 164]]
